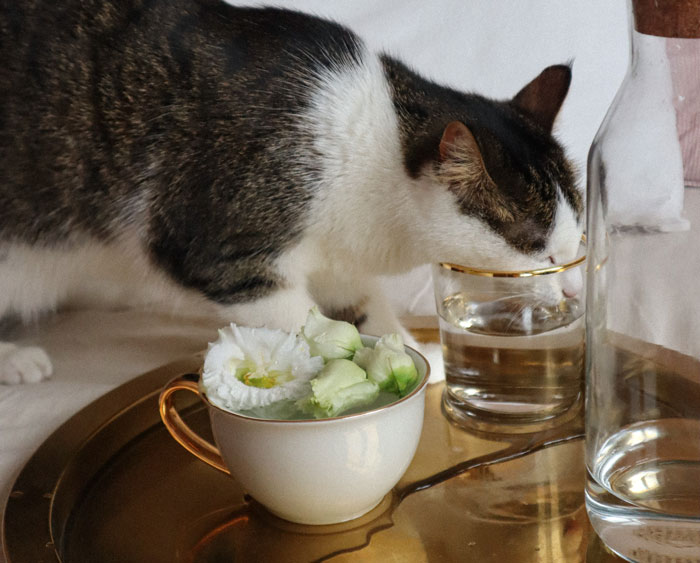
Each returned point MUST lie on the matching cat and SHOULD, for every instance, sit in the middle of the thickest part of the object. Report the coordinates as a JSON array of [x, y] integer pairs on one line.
[[252, 162]]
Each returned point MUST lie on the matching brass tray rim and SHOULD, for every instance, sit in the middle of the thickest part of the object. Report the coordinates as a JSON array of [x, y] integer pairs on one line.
[[45, 473]]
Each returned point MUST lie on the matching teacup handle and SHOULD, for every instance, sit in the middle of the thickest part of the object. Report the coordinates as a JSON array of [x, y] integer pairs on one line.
[[183, 434]]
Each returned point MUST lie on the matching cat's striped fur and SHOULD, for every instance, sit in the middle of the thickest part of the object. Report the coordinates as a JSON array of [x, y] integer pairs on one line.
[[253, 162]]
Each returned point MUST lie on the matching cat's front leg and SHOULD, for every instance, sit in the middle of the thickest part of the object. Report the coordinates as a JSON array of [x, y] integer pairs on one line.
[[284, 309], [381, 319], [361, 302]]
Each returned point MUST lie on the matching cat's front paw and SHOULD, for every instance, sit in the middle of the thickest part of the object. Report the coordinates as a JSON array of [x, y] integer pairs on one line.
[[27, 364], [433, 353]]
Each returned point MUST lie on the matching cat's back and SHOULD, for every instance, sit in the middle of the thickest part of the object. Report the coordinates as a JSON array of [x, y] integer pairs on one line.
[[73, 62], [48, 46], [97, 97], [173, 131]]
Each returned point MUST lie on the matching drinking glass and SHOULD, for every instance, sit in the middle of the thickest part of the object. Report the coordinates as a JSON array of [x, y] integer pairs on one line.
[[513, 344]]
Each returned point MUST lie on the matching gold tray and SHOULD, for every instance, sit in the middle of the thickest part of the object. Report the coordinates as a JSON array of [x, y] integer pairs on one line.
[[110, 485]]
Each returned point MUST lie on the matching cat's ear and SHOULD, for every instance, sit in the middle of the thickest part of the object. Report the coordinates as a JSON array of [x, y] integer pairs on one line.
[[463, 170], [543, 97], [457, 138], [461, 161]]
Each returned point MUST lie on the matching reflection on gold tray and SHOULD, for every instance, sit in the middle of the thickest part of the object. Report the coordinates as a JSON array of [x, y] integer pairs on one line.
[[111, 485]]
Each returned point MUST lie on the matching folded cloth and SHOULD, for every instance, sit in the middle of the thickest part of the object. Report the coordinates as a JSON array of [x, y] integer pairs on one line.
[[641, 154]]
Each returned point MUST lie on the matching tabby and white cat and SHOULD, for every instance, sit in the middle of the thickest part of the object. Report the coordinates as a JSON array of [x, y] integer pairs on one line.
[[252, 162]]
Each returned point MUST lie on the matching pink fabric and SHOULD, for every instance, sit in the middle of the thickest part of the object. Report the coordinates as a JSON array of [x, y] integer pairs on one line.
[[684, 59]]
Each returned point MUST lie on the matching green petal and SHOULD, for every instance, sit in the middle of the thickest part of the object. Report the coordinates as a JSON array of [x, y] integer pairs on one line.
[[388, 364], [340, 386], [328, 338]]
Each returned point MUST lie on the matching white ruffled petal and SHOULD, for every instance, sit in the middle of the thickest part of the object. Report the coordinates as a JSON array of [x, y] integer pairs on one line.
[[263, 351]]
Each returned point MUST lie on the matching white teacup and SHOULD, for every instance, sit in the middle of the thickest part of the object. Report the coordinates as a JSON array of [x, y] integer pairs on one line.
[[309, 471]]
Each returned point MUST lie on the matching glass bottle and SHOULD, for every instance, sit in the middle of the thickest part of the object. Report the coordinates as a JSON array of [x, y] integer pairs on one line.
[[643, 287]]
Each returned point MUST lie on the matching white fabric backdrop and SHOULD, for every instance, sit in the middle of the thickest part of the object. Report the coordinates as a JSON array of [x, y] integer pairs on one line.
[[492, 47]]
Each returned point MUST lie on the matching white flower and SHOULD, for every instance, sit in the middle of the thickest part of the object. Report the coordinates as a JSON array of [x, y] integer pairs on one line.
[[328, 338], [255, 367]]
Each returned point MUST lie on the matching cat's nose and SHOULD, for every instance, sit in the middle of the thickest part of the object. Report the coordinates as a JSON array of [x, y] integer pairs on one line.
[[569, 293]]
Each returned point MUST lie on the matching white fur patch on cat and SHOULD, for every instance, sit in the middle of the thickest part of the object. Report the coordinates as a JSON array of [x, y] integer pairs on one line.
[[28, 364], [35, 279], [565, 238], [89, 274]]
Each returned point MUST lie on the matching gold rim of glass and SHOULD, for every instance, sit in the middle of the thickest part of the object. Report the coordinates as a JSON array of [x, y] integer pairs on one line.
[[516, 273]]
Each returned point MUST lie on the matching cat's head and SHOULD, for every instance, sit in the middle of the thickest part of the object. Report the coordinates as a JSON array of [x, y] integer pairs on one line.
[[507, 194]]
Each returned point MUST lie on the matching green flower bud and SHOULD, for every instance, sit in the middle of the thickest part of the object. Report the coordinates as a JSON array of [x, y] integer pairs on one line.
[[388, 364], [328, 338], [340, 386]]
